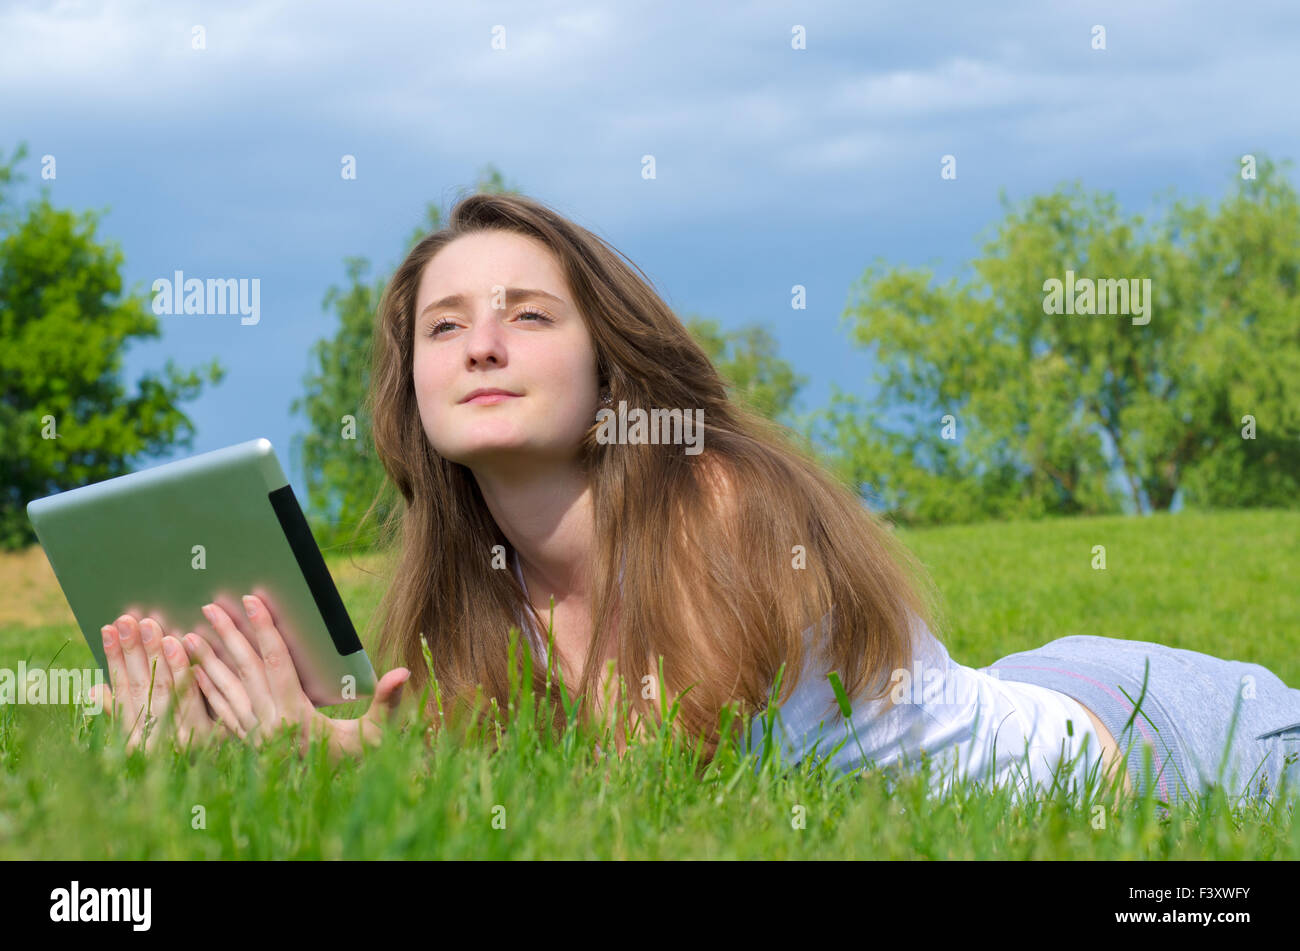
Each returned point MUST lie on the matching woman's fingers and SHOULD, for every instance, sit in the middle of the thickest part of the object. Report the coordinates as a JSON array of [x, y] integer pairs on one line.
[[226, 718], [159, 705], [290, 700], [384, 706], [151, 636], [222, 688], [252, 671], [388, 695], [116, 666], [157, 680], [138, 655], [149, 681], [192, 720], [134, 693]]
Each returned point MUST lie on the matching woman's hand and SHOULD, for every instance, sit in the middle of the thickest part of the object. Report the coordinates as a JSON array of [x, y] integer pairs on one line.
[[264, 692], [155, 686]]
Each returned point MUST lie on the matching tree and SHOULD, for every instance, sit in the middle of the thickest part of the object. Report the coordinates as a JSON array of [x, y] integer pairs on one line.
[[336, 454], [1014, 407], [65, 418], [1247, 260], [747, 359]]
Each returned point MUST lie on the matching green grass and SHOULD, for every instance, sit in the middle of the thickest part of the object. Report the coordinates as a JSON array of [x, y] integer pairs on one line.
[[1222, 583]]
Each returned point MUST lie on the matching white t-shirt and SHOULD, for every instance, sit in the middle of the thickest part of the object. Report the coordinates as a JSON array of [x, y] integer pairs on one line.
[[970, 722]]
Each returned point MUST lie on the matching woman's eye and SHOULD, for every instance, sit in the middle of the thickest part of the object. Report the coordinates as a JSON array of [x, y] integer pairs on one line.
[[436, 329]]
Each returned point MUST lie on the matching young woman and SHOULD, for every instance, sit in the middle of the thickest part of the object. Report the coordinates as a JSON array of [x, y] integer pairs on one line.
[[500, 341]]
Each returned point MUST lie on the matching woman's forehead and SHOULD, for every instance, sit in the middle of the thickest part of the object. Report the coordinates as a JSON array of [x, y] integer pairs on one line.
[[474, 264]]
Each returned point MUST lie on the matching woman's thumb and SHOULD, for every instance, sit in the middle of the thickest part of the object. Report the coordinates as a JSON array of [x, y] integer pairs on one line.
[[388, 692]]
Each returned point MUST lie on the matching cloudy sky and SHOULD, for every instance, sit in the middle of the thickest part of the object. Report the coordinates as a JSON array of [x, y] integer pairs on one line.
[[775, 166]]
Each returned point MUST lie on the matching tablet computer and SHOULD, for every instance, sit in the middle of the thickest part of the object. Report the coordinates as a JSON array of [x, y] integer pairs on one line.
[[165, 541]]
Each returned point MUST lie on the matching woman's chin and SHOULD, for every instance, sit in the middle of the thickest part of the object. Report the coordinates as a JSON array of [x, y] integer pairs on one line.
[[487, 451]]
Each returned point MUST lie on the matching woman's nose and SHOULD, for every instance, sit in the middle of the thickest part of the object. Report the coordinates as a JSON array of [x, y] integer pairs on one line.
[[484, 342]]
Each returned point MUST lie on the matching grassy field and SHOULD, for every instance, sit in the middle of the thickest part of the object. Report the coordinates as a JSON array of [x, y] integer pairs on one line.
[[1222, 583]]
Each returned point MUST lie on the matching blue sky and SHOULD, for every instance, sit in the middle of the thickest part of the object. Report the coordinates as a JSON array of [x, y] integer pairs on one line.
[[775, 166]]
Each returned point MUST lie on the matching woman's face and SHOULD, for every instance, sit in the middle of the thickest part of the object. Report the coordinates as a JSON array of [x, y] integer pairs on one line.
[[483, 319]]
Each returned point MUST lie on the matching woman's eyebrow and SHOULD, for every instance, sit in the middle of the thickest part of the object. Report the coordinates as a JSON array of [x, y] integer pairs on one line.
[[513, 295]]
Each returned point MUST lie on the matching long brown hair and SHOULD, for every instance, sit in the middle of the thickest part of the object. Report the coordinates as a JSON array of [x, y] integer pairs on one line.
[[729, 555]]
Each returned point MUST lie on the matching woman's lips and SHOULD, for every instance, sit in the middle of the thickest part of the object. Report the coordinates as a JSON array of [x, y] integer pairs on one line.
[[491, 398]]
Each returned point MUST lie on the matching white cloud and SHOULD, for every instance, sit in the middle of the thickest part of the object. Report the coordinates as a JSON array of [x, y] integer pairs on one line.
[[959, 84], [832, 152], [579, 91]]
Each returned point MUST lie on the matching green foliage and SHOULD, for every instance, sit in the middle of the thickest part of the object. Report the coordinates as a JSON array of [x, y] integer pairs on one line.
[[1051, 409], [336, 454], [65, 418], [747, 359]]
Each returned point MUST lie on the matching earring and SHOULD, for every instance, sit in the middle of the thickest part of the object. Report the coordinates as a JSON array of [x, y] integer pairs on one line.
[[607, 398]]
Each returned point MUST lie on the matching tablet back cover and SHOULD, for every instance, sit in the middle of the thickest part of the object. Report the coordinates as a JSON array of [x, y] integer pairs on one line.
[[164, 541]]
